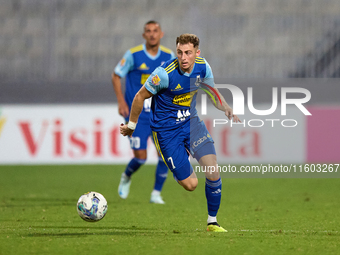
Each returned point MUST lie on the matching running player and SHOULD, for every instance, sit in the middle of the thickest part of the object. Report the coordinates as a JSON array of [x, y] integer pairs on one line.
[[136, 65], [175, 123]]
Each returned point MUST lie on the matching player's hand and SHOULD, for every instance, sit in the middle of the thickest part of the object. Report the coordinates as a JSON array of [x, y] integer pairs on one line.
[[124, 130], [123, 109], [230, 115]]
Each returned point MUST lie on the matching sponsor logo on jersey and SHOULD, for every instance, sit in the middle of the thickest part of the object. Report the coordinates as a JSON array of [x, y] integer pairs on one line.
[[182, 114], [144, 77], [155, 80], [143, 67], [122, 62], [184, 99]]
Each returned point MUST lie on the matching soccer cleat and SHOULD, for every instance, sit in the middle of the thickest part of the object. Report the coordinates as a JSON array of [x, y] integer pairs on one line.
[[215, 227], [124, 186], [156, 199]]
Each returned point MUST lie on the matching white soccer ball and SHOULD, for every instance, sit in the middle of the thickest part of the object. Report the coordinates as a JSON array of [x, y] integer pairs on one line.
[[92, 206]]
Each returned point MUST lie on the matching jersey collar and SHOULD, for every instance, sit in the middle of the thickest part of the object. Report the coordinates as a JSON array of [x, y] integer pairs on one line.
[[149, 55], [186, 74]]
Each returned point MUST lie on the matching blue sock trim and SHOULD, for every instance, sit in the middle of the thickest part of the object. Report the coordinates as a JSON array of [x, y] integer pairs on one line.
[[140, 161], [213, 183]]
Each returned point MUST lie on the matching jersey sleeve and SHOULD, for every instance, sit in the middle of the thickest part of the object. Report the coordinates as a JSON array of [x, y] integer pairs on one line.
[[172, 55], [125, 65], [209, 77], [157, 81]]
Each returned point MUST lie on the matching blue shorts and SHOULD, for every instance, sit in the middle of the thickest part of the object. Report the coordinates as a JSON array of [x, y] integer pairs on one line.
[[176, 144], [139, 138]]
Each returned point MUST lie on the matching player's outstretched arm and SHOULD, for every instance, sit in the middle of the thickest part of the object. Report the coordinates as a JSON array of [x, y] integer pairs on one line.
[[224, 106], [136, 109], [123, 108]]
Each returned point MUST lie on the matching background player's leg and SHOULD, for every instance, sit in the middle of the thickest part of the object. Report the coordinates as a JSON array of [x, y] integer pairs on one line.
[[160, 177], [134, 164], [138, 143]]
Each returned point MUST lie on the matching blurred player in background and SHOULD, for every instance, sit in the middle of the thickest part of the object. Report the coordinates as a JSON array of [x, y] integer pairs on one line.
[[175, 124], [136, 65]]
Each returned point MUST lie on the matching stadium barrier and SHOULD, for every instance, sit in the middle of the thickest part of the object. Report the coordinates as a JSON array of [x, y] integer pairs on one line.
[[89, 134]]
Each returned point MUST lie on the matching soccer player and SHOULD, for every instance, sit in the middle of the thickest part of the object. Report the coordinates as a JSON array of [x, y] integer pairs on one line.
[[136, 65], [175, 124]]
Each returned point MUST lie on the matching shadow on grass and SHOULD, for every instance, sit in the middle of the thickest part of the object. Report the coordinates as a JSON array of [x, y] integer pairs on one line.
[[106, 233], [35, 202], [135, 228], [94, 231], [32, 202]]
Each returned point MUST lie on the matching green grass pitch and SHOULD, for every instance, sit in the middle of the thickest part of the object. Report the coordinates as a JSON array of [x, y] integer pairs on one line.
[[263, 216]]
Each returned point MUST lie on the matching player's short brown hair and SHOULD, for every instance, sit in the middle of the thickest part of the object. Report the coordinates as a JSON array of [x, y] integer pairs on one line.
[[152, 22], [188, 38]]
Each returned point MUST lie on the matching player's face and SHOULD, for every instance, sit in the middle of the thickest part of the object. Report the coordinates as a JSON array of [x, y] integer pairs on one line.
[[152, 34], [186, 54]]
